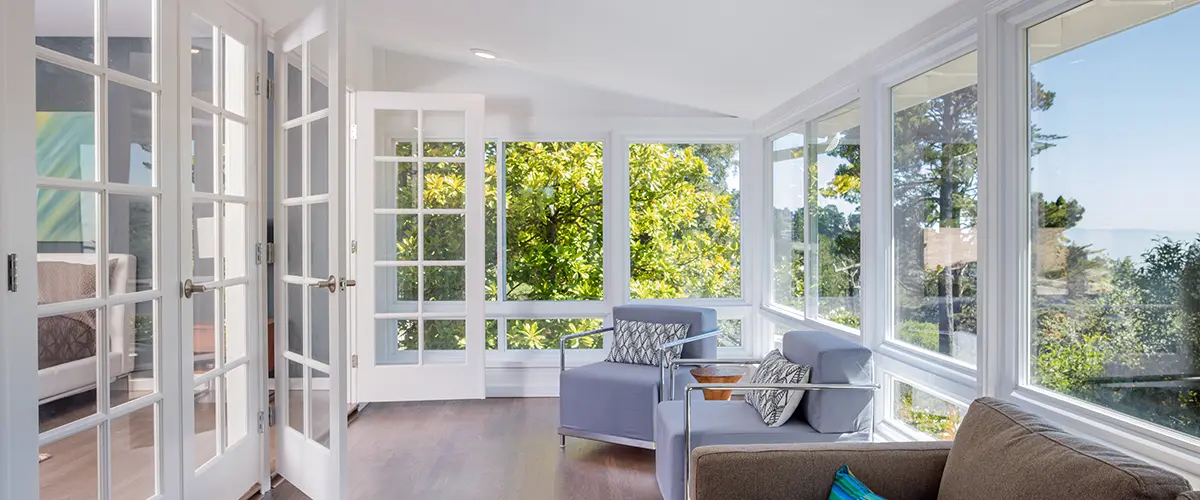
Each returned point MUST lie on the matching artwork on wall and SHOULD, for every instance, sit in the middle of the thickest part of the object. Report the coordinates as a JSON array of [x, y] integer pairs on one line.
[[66, 149]]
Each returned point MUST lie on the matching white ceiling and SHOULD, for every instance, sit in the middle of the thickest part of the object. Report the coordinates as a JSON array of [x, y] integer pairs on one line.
[[740, 58]]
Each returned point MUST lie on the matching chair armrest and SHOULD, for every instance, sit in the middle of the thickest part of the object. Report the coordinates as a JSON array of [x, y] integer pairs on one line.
[[562, 345], [669, 374], [677, 343], [896, 471]]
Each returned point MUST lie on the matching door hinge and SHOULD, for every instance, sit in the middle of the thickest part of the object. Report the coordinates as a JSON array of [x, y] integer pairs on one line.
[[262, 422], [271, 416], [270, 253], [12, 272], [354, 361], [259, 253], [353, 131], [258, 84], [353, 246]]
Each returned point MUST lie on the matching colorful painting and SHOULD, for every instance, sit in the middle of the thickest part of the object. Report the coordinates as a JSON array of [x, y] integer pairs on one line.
[[66, 149]]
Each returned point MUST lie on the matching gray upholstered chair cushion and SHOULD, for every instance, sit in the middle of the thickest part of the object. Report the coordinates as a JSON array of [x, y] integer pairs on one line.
[[701, 319], [721, 422], [1002, 452], [834, 360], [614, 399]]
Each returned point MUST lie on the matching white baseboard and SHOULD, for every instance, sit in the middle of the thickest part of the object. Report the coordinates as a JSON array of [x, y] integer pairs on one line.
[[540, 382]]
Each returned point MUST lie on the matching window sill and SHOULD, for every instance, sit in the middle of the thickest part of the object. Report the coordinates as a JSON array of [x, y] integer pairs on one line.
[[790, 319], [941, 366]]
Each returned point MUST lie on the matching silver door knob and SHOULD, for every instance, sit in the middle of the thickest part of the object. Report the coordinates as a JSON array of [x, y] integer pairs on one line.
[[190, 289], [331, 283]]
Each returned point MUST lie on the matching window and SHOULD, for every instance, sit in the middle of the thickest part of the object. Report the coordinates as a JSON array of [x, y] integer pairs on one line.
[[787, 219], [926, 413], [1115, 250], [834, 195], [935, 194], [545, 333], [685, 234]]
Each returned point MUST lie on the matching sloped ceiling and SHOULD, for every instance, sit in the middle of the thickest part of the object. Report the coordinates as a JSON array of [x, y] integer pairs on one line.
[[733, 57]]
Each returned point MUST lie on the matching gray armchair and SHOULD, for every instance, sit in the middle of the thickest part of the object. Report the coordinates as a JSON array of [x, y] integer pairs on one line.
[[614, 402], [836, 408]]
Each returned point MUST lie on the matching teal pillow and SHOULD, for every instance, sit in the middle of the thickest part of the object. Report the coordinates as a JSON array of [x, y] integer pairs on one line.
[[848, 487]]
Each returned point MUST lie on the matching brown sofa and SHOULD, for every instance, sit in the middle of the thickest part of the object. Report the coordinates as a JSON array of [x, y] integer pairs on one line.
[[1000, 452]]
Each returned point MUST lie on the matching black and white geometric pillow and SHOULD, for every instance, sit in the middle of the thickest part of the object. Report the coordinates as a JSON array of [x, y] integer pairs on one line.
[[776, 406], [637, 342]]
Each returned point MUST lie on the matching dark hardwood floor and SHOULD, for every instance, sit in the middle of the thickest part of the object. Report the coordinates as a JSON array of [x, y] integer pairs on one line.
[[483, 449]]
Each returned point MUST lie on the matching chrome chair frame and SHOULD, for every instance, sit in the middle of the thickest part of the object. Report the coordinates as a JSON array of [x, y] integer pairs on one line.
[[687, 412], [662, 382]]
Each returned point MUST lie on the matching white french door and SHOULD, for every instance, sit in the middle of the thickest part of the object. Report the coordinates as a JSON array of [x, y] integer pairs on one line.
[[311, 262], [419, 201], [221, 210]]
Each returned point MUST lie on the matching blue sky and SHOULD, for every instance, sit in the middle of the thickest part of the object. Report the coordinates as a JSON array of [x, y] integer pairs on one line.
[[1129, 105]]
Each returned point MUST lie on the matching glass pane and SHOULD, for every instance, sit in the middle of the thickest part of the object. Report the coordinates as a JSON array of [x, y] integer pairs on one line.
[[134, 463], [234, 168], [445, 283], [554, 204], [445, 185], [1115, 250], [130, 27], [731, 333], [319, 332], [685, 232], [237, 249], [927, 413], [74, 34], [319, 410], [490, 227], [397, 341], [295, 162], [935, 194], [396, 284], [403, 176], [443, 134], [318, 244], [318, 69], [295, 315], [544, 333], [62, 340], [295, 240], [204, 331], [131, 238], [318, 154], [133, 337], [204, 152], [237, 322], [295, 84], [237, 405], [396, 132], [237, 77], [295, 413], [205, 406], [65, 123], [67, 237], [492, 334], [834, 193], [445, 335], [204, 242], [396, 237], [445, 237], [204, 74], [787, 256], [69, 467]]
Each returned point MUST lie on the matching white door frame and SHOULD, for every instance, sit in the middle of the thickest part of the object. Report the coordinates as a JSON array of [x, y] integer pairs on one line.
[[420, 381]]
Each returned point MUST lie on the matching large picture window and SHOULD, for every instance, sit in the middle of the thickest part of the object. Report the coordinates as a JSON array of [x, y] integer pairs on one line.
[[787, 219], [685, 228], [935, 194], [834, 196], [1115, 250]]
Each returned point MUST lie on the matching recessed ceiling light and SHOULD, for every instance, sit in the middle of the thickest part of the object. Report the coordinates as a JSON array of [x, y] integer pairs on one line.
[[483, 53], [195, 51]]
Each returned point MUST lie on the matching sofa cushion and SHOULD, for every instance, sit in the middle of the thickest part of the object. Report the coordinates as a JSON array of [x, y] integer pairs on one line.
[[720, 422], [639, 342], [1002, 452], [834, 360], [777, 406]]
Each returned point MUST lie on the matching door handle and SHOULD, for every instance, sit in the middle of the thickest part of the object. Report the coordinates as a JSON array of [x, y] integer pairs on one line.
[[348, 283], [331, 284], [190, 289]]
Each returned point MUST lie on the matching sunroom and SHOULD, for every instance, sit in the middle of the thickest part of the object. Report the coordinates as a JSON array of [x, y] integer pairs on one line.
[[435, 250]]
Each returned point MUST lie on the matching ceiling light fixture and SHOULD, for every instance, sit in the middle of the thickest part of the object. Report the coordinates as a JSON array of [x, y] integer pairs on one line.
[[483, 53], [195, 50]]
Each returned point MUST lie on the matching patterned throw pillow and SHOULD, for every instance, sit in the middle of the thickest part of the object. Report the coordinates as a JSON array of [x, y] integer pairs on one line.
[[638, 342], [848, 487], [776, 406]]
